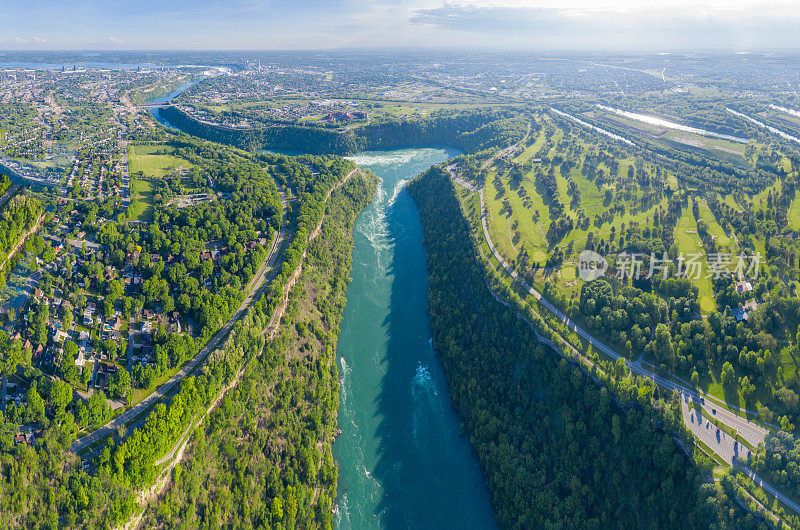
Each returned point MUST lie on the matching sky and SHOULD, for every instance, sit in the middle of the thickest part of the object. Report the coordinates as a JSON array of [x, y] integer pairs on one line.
[[604, 25]]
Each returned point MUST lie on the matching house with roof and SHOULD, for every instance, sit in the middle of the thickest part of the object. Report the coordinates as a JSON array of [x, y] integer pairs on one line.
[[743, 286], [743, 311]]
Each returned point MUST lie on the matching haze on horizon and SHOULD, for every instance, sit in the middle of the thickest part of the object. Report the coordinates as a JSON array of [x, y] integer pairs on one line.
[[313, 24]]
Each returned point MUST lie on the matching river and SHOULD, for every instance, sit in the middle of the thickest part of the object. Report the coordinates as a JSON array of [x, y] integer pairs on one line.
[[660, 122], [402, 463], [156, 111]]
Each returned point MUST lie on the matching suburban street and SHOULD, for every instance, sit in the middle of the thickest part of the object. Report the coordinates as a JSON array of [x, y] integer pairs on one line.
[[255, 289]]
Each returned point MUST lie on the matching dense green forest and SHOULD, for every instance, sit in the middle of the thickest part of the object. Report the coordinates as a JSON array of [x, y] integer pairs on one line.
[[778, 461], [263, 458], [556, 448], [469, 130]]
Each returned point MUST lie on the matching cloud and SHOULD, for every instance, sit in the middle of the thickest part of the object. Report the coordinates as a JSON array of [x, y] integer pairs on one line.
[[115, 40], [19, 39], [488, 19], [40, 40], [573, 26]]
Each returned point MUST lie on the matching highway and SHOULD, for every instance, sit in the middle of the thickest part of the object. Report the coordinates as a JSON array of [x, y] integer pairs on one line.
[[724, 445], [781, 497], [255, 288], [750, 431]]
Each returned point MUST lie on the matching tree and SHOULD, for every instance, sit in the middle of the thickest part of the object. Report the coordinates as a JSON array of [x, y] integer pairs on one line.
[[34, 409], [66, 320], [120, 383], [69, 372], [616, 430], [10, 354], [728, 375], [695, 379], [99, 410], [60, 397], [110, 347], [788, 398]]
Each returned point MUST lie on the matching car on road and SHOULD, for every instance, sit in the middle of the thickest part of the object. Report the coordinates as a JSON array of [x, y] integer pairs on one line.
[[713, 411]]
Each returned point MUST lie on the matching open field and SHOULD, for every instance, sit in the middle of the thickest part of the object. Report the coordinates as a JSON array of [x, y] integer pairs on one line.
[[720, 148], [154, 161], [793, 216], [689, 244]]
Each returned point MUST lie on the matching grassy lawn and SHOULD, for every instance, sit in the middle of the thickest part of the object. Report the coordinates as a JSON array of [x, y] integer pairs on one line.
[[146, 158], [794, 213], [531, 150], [689, 243], [531, 237], [724, 243], [138, 394], [760, 200]]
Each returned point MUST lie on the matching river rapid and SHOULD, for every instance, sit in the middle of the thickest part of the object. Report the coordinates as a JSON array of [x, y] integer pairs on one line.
[[402, 462]]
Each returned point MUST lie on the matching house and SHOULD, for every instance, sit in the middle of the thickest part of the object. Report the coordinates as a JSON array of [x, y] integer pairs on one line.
[[743, 286], [743, 311], [80, 360], [113, 324]]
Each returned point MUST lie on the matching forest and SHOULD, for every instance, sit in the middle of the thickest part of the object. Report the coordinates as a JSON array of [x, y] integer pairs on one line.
[[46, 478], [556, 448], [263, 458]]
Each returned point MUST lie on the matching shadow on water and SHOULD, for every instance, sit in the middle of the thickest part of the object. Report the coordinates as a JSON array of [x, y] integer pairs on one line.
[[401, 461], [429, 476]]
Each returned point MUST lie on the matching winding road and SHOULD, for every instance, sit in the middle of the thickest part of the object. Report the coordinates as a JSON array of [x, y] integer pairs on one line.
[[725, 446]]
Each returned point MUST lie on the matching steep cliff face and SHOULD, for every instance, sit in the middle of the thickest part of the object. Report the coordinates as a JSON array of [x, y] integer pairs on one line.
[[468, 130], [307, 139]]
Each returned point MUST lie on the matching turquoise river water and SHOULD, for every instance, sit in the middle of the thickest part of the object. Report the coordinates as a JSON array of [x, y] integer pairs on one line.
[[402, 463]]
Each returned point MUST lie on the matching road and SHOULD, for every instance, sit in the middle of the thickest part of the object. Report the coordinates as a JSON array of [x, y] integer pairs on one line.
[[10, 193], [721, 443], [718, 440], [22, 239], [781, 497], [725, 446], [750, 431], [271, 326], [255, 289]]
